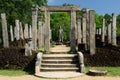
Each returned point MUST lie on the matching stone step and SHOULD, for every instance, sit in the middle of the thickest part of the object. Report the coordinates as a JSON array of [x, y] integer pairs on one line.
[[58, 65], [60, 69], [58, 61], [59, 56], [59, 53]]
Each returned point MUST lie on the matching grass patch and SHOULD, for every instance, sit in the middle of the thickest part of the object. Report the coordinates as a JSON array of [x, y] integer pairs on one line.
[[12, 72], [112, 71]]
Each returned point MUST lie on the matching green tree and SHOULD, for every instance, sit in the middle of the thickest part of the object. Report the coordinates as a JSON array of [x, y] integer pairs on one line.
[[118, 20], [98, 20], [18, 9], [107, 18]]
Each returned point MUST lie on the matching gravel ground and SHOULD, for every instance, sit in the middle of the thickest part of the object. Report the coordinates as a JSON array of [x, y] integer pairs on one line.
[[84, 77]]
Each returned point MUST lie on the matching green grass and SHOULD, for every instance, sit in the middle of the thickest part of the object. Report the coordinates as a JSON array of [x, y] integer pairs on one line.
[[41, 49], [112, 71], [12, 72]]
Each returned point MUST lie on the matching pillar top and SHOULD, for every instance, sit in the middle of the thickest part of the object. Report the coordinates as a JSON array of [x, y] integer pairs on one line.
[[60, 8]]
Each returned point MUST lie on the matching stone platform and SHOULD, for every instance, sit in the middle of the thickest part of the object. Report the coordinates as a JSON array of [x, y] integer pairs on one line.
[[58, 75]]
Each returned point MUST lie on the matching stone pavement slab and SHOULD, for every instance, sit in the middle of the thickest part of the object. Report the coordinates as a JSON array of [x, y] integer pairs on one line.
[[58, 75]]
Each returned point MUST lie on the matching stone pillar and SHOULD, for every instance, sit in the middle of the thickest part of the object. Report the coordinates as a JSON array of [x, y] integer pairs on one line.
[[76, 31], [47, 29], [72, 32], [11, 33], [103, 31], [84, 31], [79, 37], [30, 37], [51, 35], [15, 32], [86, 14], [34, 26], [17, 29], [109, 33], [30, 32], [26, 35], [40, 33], [21, 31], [113, 29], [99, 31], [92, 32], [4, 31], [43, 34]]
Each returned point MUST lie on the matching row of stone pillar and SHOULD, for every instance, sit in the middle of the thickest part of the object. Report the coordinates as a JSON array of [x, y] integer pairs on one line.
[[17, 33], [86, 30], [110, 32]]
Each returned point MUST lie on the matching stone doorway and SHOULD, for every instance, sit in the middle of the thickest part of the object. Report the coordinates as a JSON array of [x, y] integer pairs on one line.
[[72, 10]]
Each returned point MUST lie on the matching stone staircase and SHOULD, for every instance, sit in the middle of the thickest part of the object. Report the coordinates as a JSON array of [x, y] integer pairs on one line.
[[59, 61]]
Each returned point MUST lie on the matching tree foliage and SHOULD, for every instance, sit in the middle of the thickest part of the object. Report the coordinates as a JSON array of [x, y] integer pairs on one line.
[[60, 19], [98, 20], [19, 9], [107, 18]]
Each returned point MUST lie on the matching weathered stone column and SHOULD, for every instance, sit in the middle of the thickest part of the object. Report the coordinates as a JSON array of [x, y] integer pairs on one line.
[[84, 30], [113, 29], [17, 29], [99, 31], [21, 31], [76, 31], [86, 15], [47, 29], [11, 33], [72, 32], [103, 31], [51, 34], [4, 31], [26, 35], [79, 37], [39, 32], [30, 37], [34, 26], [30, 31], [43, 34], [15, 32], [109, 32], [92, 32]]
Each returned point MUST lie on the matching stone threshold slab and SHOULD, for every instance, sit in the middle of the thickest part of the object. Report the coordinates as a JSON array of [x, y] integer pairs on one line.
[[58, 75]]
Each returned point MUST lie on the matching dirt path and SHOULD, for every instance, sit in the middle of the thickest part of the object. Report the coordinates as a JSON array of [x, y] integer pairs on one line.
[[31, 77]]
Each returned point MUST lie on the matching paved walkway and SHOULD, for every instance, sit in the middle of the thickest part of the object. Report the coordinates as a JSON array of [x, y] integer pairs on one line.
[[84, 77], [60, 48], [59, 75]]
